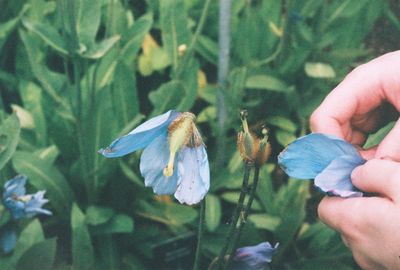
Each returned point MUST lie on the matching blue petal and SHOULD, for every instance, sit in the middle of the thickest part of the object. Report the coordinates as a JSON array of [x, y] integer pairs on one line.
[[336, 178], [8, 239], [15, 187], [152, 163], [141, 136], [194, 175], [34, 205], [254, 257], [309, 155], [16, 208]]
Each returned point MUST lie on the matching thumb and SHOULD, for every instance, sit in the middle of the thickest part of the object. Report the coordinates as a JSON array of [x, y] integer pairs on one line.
[[389, 148]]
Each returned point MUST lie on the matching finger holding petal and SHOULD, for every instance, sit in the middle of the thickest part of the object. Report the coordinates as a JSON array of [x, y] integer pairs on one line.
[[336, 178], [309, 155], [152, 163], [193, 175], [141, 136]]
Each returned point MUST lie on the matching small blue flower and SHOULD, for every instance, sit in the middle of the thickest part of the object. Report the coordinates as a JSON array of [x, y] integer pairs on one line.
[[8, 239], [174, 159], [327, 159], [19, 204], [254, 257]]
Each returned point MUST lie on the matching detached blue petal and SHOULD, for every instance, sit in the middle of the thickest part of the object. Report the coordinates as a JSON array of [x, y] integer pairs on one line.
[[254, 257], [336, 178], [193, 175], [141, 136], [309, 155], [8, 239], [152, 163]]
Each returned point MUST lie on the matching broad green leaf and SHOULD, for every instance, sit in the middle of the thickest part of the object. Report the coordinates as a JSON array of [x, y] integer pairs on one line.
[[319, 70], [167, 96], [376, 138], [189, 78], [32, 98], [207, 114], [25, 117], [159, 59], [265, 221], [98, 50], [267, 82], [213, 212], [284, 137], [124, 94], [44, 176], [48, 154], [208, 49], [174, 30], [233, 197], [283, 123], [82, 248], [9, 135], [119, 223], [49, 35], [96, 215], [39, 256], [135, 37], [87, 16], [6, 28]]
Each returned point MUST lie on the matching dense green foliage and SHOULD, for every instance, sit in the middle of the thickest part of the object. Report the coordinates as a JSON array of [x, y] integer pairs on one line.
[[79, 73]]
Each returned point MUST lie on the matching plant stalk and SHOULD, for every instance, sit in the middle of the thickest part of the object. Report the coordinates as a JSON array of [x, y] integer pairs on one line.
[[197, 259]]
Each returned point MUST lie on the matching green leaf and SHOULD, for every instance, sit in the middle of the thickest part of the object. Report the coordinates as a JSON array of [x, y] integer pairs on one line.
[[174, 30], [266, 82], [39, 256], [167, 96], [48, 154], [233, 197], [98, 50], [265, 221], [119, 223], [9, 135], [6, 28], [135, 37], [207, 114], [96, 215], [44, 176], [376, 138], [283, 123], [124, 94], [87, 14], [319, 70], [82, 249], [284, 137], [213, 212], [48, 34]]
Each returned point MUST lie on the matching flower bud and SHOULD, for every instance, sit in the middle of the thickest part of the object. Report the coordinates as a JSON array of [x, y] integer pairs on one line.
[[264, 150]]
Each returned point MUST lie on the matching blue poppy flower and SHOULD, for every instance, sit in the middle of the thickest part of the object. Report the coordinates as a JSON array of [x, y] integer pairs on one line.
[[254, 257], [327, 159], [174, 159], [23, 205], [8, 239]]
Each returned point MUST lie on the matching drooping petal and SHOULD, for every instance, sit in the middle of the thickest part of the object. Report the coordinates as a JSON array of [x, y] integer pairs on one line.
[[15, 186], [141, 136], [254, 257], [193, 175], [8, 239], [152, 163], [336, 178], [309, 155]]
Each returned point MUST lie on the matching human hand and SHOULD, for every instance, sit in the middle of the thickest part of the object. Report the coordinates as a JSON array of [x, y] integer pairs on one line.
[[365, 100], [369, 225]]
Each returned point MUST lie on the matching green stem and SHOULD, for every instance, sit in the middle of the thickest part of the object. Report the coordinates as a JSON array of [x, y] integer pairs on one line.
[[244, 216], [235, 215], [197, 259]]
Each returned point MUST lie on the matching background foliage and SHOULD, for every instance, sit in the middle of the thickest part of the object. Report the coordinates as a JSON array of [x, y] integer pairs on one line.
[[78, 74]]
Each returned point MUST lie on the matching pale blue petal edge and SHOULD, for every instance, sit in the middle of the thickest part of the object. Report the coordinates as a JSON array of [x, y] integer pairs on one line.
[[193, 175], [336, 178], [309, 155], [152, 163], [15, 186], [141, 136]]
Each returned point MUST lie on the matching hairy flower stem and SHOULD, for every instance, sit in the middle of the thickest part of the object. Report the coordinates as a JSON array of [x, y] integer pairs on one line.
[[235, 215], [196, 265], [244, 216]]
